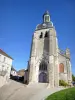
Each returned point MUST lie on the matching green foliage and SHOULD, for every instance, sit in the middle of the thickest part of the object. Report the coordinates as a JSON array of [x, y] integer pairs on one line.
[[67, 94], [63, 83], [73, 77]]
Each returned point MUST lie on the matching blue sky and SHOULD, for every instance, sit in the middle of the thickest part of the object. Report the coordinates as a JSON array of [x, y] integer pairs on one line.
[[18, 20]]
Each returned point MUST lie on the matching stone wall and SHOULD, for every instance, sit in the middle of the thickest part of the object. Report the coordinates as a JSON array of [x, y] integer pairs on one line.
[[44, 49], [67, 74]]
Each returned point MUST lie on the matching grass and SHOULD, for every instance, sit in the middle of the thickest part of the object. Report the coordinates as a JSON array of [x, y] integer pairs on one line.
[[67, 94]]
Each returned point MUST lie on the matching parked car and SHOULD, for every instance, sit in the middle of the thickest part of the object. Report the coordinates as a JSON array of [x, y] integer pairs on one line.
[[73, 83]]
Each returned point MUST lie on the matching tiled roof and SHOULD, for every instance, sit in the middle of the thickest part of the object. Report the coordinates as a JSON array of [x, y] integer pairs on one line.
[[3, 53], [21, 72]]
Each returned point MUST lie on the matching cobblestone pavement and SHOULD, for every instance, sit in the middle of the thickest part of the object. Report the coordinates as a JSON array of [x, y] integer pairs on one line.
[[18, 91]]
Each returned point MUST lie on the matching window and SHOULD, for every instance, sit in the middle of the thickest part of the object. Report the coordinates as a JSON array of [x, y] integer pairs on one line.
[[43, 66], [46, 18], [41, 35], [46, 34], [61, 68], [4, 59]]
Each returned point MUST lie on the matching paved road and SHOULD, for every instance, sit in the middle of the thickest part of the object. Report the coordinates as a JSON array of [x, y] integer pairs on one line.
[[18, 91]]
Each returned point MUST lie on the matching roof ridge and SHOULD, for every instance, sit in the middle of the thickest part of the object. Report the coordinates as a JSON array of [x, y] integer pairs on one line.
[[4, 53]]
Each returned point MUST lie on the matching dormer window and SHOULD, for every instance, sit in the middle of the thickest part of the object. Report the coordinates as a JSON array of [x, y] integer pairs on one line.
[[41, 35], [46, 34]]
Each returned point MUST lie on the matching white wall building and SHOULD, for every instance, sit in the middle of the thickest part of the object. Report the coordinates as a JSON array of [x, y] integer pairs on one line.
[[13, 72], [47, 63], [5, 67]]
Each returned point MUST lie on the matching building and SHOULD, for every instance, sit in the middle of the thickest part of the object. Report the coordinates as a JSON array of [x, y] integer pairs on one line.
[[21, 72], [13, 72], [5, 67], [47, 63]]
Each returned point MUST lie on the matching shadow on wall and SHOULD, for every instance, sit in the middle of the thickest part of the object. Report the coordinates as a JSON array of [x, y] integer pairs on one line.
[[17, 78]]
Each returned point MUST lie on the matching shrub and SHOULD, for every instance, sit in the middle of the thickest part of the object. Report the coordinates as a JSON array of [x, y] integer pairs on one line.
[[73, 78], [63, 83]]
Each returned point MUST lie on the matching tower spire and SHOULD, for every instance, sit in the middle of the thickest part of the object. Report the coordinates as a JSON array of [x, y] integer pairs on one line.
[[46, 17]]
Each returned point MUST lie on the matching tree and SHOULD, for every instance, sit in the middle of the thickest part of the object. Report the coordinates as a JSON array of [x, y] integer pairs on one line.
[[73, 78]]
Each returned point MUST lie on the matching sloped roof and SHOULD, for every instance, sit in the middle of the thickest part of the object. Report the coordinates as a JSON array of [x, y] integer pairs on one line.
[[3, 53], [21, 72]]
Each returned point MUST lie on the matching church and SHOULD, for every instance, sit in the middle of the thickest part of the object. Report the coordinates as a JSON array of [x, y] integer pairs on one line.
[[47, 63]]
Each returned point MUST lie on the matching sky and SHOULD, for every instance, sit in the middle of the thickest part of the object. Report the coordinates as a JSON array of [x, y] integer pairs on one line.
[[19, 18]]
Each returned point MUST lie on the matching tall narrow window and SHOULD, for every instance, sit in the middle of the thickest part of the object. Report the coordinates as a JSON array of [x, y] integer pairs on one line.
[[46, 34], [4, 59], [61, 68], [43, 66], [41, 35]]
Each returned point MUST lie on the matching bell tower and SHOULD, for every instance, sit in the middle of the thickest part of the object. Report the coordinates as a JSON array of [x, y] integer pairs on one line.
[[43, 62]]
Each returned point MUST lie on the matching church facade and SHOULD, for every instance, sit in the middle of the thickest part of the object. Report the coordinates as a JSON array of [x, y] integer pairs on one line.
[[47, 63]]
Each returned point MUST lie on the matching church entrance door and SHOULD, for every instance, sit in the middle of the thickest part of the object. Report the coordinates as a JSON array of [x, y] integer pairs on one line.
[[43, 77], [43, 72]]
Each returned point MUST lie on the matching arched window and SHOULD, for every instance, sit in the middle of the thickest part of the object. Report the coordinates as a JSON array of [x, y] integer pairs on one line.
[[61, 68], [46, 34], [41, 35], [43, 66]]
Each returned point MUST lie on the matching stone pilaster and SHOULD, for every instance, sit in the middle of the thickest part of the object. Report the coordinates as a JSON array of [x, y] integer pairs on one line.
[[56, 68], [33, 47], [51, 71], [53, 59], [69, 72], [32, 61], [32, 69], [56, 72], [67, 53]]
